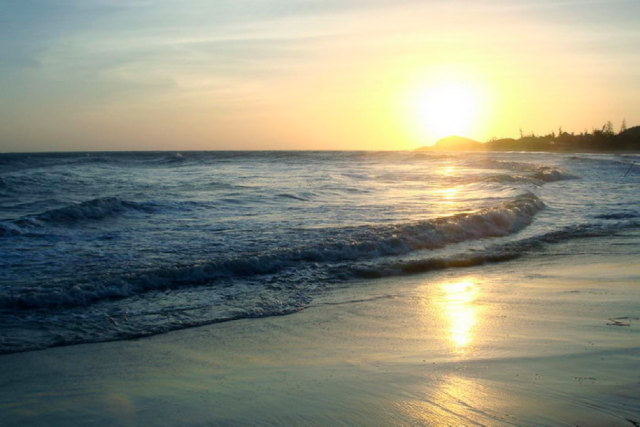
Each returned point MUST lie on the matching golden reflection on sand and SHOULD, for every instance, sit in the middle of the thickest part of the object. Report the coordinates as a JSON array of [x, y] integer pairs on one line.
[[455, 400], [460, 312]]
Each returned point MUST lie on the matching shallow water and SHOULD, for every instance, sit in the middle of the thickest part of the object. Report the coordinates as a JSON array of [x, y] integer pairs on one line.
[[529, 342], [100, 246]]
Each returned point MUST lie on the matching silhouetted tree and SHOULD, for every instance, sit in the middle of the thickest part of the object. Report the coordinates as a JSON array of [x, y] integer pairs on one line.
[[607, 128], [623, 126], [603, 138]]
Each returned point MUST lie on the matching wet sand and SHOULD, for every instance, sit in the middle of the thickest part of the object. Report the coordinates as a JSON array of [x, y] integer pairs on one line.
[[547, 340]]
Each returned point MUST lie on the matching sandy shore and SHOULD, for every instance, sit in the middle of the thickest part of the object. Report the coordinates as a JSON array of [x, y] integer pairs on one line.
[[526, 342]]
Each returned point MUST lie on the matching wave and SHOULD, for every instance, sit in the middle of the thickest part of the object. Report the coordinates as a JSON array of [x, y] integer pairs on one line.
[[365, 243], [44, 181], [7, 230], [18, 162], [513, 179], [605, 160], [95, 209], [292, 196], [104, 324], [426, 265], [6, 190], [493, 254], [625, 163], [22, 162], [539, 172], [168, 159], [548, 174], [617, 215]]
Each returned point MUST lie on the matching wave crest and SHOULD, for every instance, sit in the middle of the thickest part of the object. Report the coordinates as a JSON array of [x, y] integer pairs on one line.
[[539, 172], [95, 209], [513, 179], [493, 254], [367, 243]]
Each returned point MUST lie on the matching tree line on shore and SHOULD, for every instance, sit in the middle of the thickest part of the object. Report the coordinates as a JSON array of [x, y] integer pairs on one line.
[[604, 138]]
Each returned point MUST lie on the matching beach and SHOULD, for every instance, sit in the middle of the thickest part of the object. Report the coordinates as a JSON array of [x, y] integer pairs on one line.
[[319, 213], [543, 340]]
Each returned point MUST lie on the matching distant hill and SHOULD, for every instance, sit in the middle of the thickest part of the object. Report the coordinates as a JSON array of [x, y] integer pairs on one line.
[[455, 143], [600, 139], [634, 131]]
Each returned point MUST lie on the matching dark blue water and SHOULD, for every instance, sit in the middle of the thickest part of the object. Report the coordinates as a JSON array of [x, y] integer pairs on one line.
[[100, 246]]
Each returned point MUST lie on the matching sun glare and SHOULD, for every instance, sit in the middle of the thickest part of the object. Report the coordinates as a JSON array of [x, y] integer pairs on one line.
[[460, 311], [448, 109], [449, 101]]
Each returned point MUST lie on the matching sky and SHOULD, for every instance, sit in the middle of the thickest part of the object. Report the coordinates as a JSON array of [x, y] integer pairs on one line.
[[310, 74]]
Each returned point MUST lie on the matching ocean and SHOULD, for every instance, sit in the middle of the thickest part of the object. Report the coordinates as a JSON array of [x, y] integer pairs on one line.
[[106, 246]]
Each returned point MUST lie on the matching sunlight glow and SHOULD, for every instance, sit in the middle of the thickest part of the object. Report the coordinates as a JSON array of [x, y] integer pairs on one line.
[[450, 100], [448, 109], [460, 311], [448, 171], [449, 193]]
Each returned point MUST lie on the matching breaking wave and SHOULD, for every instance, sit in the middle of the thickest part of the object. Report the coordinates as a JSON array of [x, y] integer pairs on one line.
[[548, 174], [366, 243], [492, 254], [247, 234]]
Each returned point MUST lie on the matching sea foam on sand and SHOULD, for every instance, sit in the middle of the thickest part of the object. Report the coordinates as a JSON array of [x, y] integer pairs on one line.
[[536, 341]]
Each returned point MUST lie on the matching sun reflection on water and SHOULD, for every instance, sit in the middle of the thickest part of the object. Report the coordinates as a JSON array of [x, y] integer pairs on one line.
[[449, 193], [448, 171]]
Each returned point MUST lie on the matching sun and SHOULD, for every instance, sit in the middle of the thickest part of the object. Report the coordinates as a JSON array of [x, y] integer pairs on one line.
[[445, 107]]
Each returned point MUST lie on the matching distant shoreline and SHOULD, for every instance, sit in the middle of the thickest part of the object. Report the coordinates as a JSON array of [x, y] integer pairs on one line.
[[567, 151], [600, 140]]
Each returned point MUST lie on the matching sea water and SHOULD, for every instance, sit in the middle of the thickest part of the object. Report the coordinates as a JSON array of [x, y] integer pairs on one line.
[[103, 246]]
